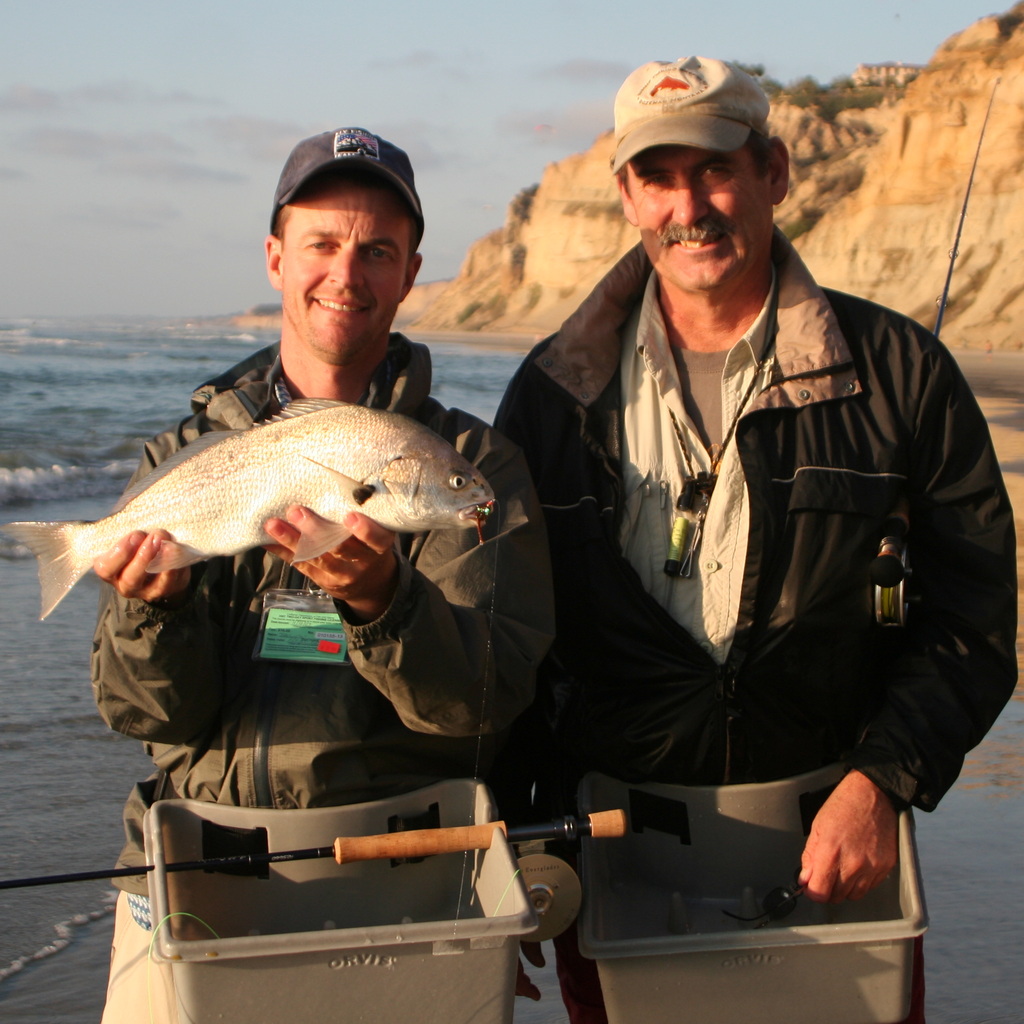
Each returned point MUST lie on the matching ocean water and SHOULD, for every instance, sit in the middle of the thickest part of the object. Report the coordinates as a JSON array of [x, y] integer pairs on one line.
[[80, 397]]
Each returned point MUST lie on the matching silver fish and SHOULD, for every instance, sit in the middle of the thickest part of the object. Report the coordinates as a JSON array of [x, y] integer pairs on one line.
[[214, 495]]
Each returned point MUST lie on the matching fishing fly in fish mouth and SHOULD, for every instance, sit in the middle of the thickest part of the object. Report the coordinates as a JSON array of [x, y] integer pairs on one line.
[[479, 514]]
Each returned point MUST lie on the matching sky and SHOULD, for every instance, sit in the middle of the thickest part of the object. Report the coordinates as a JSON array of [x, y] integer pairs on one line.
[[140, 142]]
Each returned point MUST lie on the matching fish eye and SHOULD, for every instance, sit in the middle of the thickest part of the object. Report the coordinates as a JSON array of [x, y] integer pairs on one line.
[[457, 481]]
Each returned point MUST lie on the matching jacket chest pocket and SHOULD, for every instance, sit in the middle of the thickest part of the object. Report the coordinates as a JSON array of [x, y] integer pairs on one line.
[[834, 521], [818, 574], [824, 489]]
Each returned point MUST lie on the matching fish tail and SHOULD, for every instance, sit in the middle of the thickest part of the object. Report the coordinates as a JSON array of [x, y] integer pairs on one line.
[[61, 565]]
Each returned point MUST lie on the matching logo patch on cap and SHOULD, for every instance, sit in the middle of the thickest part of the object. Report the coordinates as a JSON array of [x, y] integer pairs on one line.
[[673, 83], [670, 83], [356, 142]]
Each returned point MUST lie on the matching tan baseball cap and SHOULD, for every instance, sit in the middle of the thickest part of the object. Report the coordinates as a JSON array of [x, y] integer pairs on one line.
[[693, 101]]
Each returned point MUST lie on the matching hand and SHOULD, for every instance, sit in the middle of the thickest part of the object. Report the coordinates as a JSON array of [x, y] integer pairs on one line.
[[362, 570], [853, 842], [125, 568], [524, 987]]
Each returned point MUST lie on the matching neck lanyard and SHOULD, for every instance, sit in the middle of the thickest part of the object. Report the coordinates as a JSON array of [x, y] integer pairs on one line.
[[692, 505]]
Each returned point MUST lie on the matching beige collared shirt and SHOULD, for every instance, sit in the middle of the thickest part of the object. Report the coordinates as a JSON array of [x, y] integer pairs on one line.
[[654, 468]]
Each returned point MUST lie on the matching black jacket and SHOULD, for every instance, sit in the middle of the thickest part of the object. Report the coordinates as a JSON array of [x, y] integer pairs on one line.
[[865, 408]]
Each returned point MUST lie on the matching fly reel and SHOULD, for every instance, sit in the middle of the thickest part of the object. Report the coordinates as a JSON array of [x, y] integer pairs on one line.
[[891, 602], [554, 890], [889, 571]]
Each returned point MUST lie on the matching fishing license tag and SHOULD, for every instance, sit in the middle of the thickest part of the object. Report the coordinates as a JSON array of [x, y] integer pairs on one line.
[[301, 625]]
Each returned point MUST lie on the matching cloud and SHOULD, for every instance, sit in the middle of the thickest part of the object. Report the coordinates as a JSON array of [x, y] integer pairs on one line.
[[257, 137], [590, 118], [150, 216], [134, 92], [12, 174], [584, 70], [451, 67], [576, 125], [421, 59], [170, 170], [151, 155], [23, 98], [82, 144]]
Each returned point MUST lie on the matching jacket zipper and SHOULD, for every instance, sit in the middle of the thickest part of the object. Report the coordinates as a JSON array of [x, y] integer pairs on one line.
[[725, 692], [262, 786], [270, 677]]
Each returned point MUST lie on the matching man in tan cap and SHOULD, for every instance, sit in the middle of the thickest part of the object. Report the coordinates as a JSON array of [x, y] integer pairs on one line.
[[719, 445]]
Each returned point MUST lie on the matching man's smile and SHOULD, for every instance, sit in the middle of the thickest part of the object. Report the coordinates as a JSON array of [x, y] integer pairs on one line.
[[341, 307]]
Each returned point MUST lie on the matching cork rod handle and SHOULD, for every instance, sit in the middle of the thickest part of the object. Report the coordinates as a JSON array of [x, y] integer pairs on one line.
[[607, 824], [429, 841], [415, 843]]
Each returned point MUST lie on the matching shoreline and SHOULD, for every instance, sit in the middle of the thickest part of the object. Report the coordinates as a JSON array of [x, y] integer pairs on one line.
[[509, 341]]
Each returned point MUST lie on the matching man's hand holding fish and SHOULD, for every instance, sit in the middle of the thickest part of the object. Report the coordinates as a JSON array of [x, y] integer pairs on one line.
[[362, 571], [125, 566]]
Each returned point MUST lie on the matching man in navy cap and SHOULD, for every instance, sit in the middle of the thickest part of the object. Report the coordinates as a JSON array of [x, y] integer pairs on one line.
[[443, 634]]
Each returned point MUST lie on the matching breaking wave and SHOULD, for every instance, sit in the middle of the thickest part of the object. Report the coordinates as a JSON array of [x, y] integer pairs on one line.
[[65, 934], [25, 484]]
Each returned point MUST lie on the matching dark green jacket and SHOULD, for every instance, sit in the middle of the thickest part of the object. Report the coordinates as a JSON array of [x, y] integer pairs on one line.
[[434, 682]]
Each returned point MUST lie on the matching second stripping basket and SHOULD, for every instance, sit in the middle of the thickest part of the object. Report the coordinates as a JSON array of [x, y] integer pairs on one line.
[[661, 908], [424, 940]]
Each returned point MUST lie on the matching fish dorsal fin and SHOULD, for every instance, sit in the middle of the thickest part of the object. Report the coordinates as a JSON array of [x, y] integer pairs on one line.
[[200, 444], [302, 407]]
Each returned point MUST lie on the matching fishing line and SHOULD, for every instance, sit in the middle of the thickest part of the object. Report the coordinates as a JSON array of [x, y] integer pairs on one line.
[[150, 960], [488, 659], [515, 875]]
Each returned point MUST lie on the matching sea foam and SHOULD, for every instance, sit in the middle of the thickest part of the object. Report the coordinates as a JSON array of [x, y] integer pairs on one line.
[[25, 484], [65, 934]]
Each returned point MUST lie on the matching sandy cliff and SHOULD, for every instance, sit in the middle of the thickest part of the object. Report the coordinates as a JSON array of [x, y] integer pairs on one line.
[[874, 204], [890, 239], [558, 240]]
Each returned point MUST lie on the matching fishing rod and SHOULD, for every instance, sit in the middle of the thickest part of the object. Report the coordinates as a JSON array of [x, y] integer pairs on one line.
[[955, 251], [346, 849], [889, 568]]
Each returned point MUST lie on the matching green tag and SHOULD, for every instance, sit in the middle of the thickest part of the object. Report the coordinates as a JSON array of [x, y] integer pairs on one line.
[[294, 635]]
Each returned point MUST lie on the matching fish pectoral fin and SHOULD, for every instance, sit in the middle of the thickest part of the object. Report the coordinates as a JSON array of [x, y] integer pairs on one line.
[[173, 555], [360, 490], [317, 535], [346, 481]]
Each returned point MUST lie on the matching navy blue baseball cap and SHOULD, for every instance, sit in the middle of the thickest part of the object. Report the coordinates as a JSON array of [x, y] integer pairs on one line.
[[341, 151]]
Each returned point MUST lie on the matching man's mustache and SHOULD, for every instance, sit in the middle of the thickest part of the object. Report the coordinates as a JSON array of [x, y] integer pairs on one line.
[[706, 229]]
